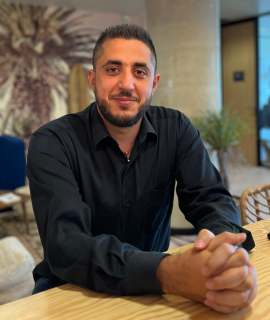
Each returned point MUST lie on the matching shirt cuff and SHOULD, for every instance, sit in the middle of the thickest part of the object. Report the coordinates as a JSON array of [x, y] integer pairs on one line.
[[141, 275], [248, 244]]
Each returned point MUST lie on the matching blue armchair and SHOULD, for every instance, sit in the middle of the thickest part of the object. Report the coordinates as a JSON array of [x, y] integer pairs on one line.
[[12, 163]]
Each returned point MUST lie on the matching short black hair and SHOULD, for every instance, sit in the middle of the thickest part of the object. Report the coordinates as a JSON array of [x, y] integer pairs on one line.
[[124, 31]]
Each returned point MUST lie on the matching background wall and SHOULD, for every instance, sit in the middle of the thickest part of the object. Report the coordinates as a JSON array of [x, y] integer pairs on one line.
[[186, 35]]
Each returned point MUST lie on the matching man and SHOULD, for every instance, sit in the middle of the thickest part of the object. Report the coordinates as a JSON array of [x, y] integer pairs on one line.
[[102, 185]]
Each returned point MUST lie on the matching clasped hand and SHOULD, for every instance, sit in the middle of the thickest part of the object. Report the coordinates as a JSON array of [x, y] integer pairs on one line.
[[214, 272], [231, 282]]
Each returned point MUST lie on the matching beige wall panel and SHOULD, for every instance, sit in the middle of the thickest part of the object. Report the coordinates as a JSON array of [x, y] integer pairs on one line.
[[239, 54], [186, 36]]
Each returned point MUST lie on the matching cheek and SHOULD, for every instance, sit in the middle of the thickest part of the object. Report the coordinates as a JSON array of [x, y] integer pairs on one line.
[[108, 87], [144, 92]]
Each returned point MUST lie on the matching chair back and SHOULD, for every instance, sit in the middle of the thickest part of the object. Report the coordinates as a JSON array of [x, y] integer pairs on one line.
[[12, 163], [255, 204]]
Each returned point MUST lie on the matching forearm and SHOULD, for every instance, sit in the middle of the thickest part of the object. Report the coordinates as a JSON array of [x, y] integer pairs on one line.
[[165, 273], [181, 274]]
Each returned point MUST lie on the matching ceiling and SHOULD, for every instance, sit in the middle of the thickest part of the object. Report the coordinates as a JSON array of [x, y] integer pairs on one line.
[[230, 10], [135, 7], [233, 10]]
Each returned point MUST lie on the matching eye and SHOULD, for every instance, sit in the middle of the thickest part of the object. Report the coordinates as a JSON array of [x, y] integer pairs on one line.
[[112, 70], [141, 73]]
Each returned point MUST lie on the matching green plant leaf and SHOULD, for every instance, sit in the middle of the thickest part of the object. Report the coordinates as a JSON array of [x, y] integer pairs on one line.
[[220, 129]]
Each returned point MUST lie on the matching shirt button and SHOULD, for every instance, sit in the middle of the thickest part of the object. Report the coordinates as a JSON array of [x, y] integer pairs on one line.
[[127, 205]]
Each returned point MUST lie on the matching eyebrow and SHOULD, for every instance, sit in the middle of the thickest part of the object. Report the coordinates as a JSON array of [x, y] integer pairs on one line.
[[142, 65], [119, 63]]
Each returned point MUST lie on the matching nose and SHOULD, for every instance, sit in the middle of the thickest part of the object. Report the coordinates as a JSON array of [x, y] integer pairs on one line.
[[126, 81]]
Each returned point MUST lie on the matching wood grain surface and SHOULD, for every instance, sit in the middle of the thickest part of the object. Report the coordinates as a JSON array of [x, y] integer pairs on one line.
[[73, 302]]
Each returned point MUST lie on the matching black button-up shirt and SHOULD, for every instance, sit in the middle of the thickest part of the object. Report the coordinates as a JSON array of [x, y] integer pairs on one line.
[[104, 222]]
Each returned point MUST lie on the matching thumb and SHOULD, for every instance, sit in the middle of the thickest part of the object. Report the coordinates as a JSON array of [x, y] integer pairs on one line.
[[203, 239]]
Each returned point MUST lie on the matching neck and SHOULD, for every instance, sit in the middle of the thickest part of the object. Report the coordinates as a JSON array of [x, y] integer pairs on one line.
[[125, 137]]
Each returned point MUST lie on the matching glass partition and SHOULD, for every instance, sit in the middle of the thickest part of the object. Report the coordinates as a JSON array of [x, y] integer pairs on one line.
[[264, 89]]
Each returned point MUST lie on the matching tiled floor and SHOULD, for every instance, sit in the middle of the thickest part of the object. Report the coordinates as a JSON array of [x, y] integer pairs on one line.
[[179, 241]]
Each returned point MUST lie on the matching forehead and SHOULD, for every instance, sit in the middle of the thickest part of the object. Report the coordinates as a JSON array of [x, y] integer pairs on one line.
[[127, 51]]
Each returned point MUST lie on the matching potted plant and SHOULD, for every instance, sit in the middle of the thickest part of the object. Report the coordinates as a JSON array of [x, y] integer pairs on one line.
[[221, 130]]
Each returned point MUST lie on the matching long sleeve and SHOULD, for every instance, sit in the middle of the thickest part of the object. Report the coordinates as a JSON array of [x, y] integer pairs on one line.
[[204, 200], [100, 263]]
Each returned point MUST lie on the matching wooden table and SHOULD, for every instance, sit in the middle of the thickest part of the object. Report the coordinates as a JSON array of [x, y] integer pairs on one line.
[[23, 199], [70, 302]]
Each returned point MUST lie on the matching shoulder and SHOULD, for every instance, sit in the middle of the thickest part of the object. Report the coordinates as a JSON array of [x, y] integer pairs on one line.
[[166, 114], [162, 113], [170, 122], [74, 122]]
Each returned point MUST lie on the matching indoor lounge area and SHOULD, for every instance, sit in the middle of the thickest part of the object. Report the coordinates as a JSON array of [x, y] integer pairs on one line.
[[79, 201]]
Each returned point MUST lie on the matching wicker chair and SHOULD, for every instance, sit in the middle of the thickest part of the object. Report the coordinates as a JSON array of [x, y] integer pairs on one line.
[[255, 204]]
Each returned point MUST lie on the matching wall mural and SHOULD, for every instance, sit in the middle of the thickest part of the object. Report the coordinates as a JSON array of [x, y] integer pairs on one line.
[[38, 48]]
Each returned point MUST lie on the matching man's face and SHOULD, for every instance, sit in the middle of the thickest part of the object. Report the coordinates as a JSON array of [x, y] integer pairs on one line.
[[124, 81]]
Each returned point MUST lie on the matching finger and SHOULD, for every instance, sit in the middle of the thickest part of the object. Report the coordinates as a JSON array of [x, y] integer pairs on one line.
[[203, 239], [230, 279], [218, 258], [220, 308], [251, 296], [250, 281], [238, 259], [227, 237], [228, 297]]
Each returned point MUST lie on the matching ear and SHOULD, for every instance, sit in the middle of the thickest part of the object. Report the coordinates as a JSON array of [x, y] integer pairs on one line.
[[92, 79], [155, 82]]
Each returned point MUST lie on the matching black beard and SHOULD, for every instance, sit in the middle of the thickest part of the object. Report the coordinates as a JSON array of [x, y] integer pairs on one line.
[[121, 121]]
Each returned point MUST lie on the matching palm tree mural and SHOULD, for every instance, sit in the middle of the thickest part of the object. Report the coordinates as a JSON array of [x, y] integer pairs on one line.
[[38, 47]]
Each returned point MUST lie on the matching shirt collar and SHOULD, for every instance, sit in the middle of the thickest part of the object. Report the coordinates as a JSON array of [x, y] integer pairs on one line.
[[99, 132], [146, 129]]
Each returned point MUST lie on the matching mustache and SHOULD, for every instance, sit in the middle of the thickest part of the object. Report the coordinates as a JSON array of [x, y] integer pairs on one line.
[[126, 94]]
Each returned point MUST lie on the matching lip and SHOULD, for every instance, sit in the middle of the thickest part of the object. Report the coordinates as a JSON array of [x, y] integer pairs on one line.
[[124, 102]]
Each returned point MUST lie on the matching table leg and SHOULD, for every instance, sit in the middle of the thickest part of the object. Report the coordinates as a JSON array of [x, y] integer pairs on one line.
[[25, 218]]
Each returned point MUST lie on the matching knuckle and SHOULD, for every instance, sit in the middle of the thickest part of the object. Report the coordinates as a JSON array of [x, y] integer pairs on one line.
[[244, 272], [249, 285], [242, 255], [227, 248], [246, 304], [226, 235], [243, 297], [254, 272]]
